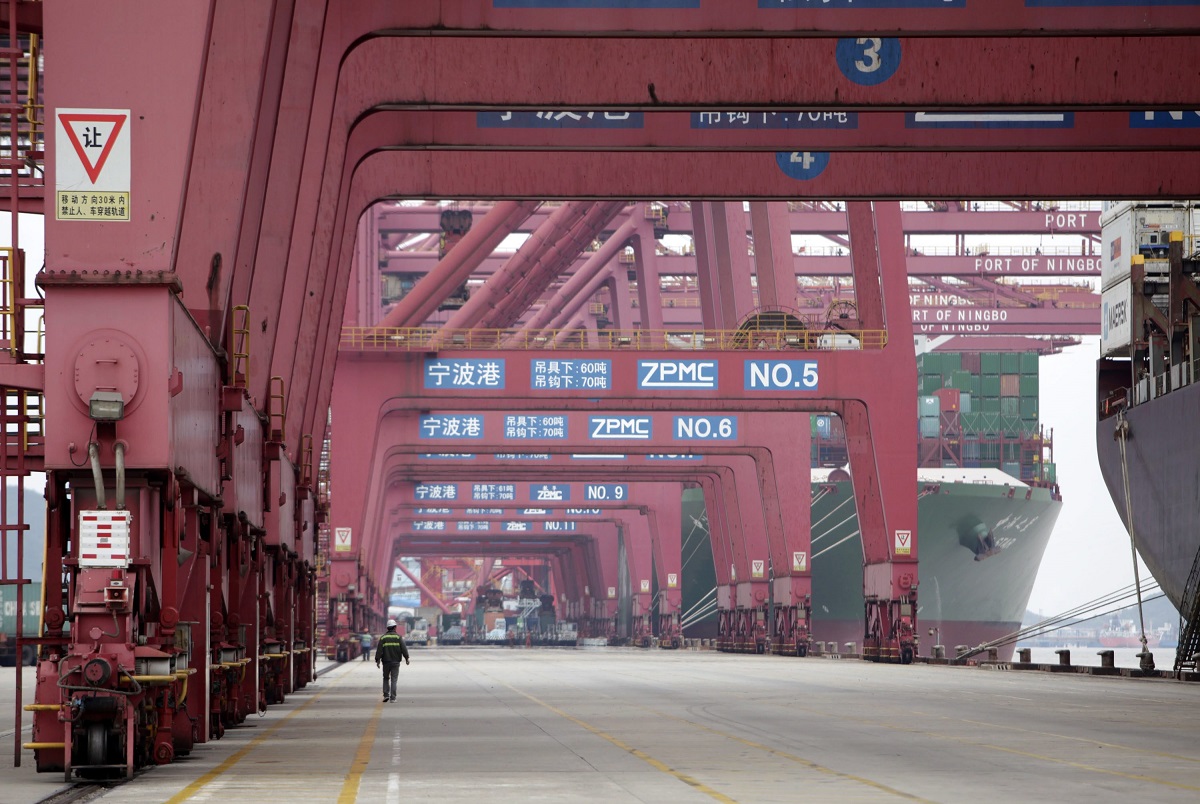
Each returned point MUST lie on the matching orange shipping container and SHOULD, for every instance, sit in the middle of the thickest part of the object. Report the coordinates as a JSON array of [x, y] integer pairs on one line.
[[1010, 385]]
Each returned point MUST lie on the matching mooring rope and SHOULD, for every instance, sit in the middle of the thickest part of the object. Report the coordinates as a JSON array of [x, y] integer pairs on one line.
[[1122, 435]]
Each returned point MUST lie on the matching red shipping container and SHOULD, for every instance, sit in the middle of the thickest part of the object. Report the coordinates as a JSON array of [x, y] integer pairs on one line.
[[949, 398], [1010, 385], [971, 362]]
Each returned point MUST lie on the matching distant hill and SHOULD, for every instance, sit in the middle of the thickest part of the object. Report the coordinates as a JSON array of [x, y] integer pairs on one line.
[[1157, 612], [35, 537]]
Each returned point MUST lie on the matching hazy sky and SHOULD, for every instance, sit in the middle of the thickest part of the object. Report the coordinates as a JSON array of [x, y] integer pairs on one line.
[[1088, 555]]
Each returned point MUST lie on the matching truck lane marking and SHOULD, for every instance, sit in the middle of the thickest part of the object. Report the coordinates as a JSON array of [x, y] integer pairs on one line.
[[198, 785], [362, 757], [642, 755]]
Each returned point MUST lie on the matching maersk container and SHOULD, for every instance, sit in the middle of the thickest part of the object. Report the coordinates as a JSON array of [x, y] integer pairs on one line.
[[964, 403], [1116, 320], [929, 407], [929, 427]]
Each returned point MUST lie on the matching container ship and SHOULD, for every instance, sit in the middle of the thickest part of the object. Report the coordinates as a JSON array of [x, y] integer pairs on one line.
[[1147, 391], [987, 501]]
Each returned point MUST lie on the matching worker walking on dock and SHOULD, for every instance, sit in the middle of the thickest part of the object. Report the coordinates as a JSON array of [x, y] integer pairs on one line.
[[365, 644], [390, 651]]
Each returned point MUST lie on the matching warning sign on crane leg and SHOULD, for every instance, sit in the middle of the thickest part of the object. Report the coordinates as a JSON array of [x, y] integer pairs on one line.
[[91, 164]]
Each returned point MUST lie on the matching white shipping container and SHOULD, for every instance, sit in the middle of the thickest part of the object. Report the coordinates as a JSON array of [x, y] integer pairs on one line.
[[1116, 325], [1137, 227]]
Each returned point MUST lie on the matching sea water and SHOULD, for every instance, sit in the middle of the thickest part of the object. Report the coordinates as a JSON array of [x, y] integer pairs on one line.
[[1164, 658]]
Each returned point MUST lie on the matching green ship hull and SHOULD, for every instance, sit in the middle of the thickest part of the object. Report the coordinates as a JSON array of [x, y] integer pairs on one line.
[[981, 536]]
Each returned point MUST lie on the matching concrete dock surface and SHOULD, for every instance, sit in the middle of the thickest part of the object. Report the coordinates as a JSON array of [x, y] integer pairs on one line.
[[628, 725]]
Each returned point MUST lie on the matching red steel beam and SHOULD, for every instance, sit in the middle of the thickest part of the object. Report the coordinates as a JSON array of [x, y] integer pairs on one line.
[[707, 73], [434, 596], [792, 17], [1075, 264], [953, 220], [751, 176], [781, 129]]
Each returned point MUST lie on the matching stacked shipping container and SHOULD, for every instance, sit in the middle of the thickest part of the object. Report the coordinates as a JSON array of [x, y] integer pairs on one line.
[[986, 409], [975, 410]]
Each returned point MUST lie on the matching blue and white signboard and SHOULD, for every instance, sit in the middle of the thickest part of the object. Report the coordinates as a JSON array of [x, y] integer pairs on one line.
[[451, 425], [518, 527], [862, 4], [774, 120], [1182, 119], [549, 492], [597, 492], [562, 119], [604, 428], [435, 491], [677, 374], [989, 120], [662, 457], [433, 512], [705, 428], [522, 456], [780, 375], [472, 526], [492, 492], [598, 456], [446, 456], [568, 375], [525, 427], [429, 524], [551, 526], [582, 511], [464, 373]]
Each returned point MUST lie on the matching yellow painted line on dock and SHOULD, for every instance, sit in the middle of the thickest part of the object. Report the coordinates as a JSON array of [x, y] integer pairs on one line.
[[642, 755], [1135, 776], [808, 763], [362, 757], [198, 785], [1086, 741]]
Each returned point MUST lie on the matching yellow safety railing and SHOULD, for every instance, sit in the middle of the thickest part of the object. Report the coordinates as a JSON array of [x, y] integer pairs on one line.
[[424, 339], [306, 456], [9, 328], [277, 409], [241, 346]]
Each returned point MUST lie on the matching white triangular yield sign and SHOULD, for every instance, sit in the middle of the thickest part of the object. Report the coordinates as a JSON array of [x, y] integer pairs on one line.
[[93, 136]]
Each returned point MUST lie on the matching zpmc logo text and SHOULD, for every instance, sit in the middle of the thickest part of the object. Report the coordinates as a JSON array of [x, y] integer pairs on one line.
[[690, 374]]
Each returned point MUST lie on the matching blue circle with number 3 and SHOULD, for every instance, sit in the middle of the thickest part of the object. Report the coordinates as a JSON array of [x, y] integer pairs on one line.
[[869, 60]]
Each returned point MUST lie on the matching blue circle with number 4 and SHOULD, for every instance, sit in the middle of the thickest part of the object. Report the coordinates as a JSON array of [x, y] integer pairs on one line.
[[868, 60], [802, 165]]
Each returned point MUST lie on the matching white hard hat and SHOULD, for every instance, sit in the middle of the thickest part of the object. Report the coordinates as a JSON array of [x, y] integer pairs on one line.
[[391, 624]]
